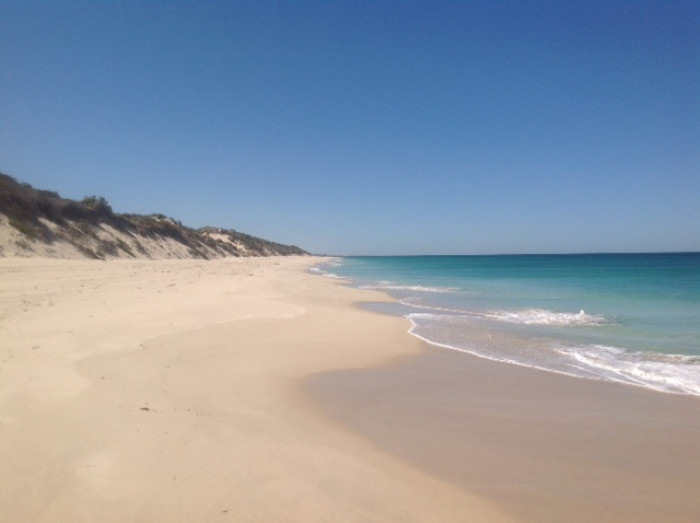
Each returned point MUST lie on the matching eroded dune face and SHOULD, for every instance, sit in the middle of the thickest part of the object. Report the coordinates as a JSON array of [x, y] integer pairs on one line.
[[40, 223]]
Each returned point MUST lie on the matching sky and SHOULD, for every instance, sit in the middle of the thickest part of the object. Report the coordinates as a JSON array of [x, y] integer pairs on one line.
[[367, 127]]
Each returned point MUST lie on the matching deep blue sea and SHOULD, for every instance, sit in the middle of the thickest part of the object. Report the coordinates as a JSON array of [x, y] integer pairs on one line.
[[629, 318]]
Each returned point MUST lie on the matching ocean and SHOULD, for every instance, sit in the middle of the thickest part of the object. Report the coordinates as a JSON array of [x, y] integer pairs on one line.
[[628, 318]]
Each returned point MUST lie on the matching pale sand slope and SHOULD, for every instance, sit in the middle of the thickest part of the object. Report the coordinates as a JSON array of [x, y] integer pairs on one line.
[[172, 391]]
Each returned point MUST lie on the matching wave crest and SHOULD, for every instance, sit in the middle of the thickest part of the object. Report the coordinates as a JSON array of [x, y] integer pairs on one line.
[[547, 317]]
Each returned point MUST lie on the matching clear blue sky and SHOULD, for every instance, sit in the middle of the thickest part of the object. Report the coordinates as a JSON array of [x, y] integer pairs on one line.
[[367, 127]]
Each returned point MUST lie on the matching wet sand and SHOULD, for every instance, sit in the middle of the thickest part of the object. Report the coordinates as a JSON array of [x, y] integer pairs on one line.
[[540, 446]]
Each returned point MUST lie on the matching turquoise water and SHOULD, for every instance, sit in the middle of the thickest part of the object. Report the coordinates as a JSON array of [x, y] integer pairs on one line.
[[630, 318]]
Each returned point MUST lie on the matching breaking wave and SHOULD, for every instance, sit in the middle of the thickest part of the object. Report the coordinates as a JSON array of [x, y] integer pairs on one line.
[[546, 317], [663, 372]]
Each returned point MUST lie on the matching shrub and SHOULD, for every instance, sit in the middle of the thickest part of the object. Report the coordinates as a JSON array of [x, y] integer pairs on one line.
[[24, 228]]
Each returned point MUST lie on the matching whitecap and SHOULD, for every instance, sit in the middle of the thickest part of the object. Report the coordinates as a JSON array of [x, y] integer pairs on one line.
[[547, 317]]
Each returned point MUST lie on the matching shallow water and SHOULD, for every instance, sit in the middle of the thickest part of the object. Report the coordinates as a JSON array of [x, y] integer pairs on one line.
[[630, 318]]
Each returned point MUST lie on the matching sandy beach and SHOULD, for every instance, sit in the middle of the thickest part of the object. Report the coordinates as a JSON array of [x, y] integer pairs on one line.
[[251, 390], [174, 391]]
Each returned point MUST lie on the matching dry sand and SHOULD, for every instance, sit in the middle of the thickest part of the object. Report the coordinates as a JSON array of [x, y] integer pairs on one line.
[[173, 391]]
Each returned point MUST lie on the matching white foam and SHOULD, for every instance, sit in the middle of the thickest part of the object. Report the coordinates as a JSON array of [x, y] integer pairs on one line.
[[333, 262], [413, 304], [389, 286], [547, 317], [322, 269], [670, 373], [472, 351], [663, 372]]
